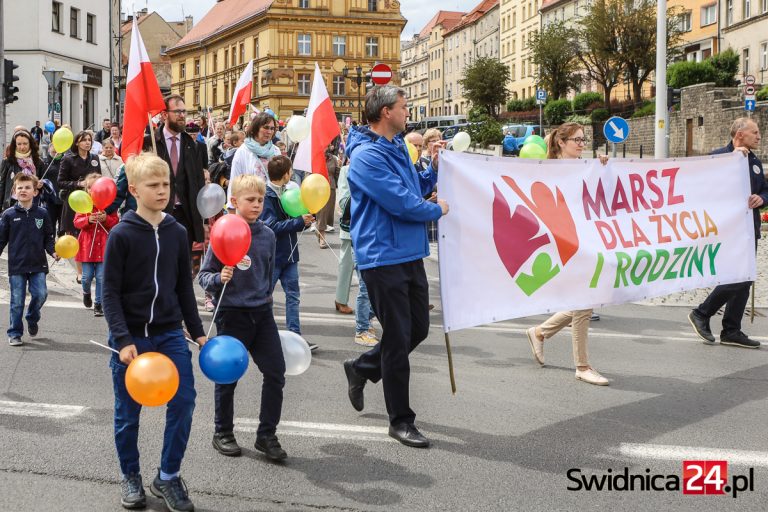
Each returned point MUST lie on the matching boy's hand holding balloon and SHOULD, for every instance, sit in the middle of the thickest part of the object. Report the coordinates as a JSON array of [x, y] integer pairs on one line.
[[128, 354], [226, 274]]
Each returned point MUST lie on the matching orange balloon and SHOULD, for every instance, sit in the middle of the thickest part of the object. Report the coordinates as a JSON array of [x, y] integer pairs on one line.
[[152, 379]]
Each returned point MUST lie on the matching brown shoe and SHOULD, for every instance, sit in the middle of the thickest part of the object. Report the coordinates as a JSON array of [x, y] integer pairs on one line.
[[343, 309], [323, 244]]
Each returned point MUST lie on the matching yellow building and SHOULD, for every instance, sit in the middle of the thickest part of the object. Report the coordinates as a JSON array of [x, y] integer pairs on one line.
[[285, 38], [519, 20], [442, 22], [699, 24]]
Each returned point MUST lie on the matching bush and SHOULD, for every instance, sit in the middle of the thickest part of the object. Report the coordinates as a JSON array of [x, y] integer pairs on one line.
[[578, 118], [762, 94], [476, 114], [683, 74], [599, 115], [726, 66], [521, 105], [556, 111], [485, 131], [647, 109], [582, 102]]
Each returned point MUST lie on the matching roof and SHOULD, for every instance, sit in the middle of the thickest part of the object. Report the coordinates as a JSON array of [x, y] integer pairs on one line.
[[448, 19], [475, 14], [549, 4], [176, 26], [222, 15]]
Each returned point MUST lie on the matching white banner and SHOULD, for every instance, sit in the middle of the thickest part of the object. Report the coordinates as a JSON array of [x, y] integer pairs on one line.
[[525, 237]]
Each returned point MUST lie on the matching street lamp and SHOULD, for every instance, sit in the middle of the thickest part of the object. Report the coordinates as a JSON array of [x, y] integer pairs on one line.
[[359, 81]]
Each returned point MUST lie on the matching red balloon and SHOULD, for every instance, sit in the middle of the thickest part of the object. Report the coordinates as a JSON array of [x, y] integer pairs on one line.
[[103, 192], [230, 239]]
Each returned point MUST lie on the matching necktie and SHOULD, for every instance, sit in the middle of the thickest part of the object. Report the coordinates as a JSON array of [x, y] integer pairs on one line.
[[174, 156]]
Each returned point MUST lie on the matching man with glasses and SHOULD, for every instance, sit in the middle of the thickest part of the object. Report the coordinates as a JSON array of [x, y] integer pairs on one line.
[[180, 152]]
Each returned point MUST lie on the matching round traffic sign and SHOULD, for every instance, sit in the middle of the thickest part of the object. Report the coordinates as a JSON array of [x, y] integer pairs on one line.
[[749, 90], [749, 80], [381, 74]]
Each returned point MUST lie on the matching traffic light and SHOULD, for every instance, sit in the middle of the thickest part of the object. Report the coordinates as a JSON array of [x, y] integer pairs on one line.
[[673, 97], [8, 85]]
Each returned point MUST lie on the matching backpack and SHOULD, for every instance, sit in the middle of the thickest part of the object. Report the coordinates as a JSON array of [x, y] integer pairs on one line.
[[346, 216]]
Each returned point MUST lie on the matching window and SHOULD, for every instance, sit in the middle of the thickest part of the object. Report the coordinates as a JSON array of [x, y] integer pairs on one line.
[[371, 46], [747, 9], [763, 56], [514, 71], [214, 94], [197, 67], [74, 23], [242, 53], [90, 28], [196, 96], [745, 61], [226, 91], [56, 17], [728, 13], [305, 44], [255, 47], [684, 22], [514, 19], [764, 6], [215, 62], [226, 58], [182, 70], [303, 82], [339, 85], [163, 48], [709, 14], [303, 4], [339, 45], [372, 5]]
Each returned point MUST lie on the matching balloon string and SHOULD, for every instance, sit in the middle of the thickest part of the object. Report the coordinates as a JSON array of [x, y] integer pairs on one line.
[[48, 169], [96, 230], [293, 249], [192, 341], [104, 346], [329, 246], [221, 295]]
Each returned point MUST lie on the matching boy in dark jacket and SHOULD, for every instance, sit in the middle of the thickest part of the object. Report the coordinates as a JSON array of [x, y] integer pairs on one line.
[[286, 248], [147, 293], [245, 312], [27, 231]]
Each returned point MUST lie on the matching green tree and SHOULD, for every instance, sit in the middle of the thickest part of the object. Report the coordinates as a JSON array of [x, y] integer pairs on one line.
[[555, 52], [727, 65], [485, 84], [599, 45]]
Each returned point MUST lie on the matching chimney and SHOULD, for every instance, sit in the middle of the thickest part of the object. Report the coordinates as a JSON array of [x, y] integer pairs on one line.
[[143, 12], [188, 23]]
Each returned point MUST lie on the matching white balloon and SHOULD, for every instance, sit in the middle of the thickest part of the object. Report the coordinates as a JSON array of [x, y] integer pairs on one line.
[[295, 352], [291, 185], [298, 128], [211, 200], [461, 141]]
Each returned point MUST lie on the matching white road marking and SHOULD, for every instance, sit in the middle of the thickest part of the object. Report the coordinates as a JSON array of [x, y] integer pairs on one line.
[[52, 411], [322, 430], [680, 453]]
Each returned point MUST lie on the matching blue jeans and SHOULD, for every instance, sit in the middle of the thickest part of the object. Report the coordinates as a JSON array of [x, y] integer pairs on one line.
[[288, 275], [178, 415], [91, 270], [38, 292], [363, 311]]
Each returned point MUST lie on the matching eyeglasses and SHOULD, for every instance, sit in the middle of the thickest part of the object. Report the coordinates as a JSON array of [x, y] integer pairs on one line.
[[579, 140], [178, 112], [268, 128]]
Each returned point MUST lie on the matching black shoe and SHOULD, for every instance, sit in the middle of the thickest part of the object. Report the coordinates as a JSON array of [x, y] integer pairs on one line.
[[173, 492], [701, 327], [87, 302], [97, 311], [225, 444], [356, 385], [594, 317], [270, 446], [32, 328], [132, 492], [738, 339], [409, 435], [312, 346]]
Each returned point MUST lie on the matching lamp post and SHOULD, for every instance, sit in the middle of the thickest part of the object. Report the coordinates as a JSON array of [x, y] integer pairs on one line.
[[359, 81]]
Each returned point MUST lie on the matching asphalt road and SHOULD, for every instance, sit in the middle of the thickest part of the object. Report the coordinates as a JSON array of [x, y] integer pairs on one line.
[[505, 441]]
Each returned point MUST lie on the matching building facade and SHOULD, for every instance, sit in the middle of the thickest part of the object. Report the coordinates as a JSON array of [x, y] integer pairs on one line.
[[698, 22], [519, 20], [441, 23], [415, 75], [744, 28], [285, 38]]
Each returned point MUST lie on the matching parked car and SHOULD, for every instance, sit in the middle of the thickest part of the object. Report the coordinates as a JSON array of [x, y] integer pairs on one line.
[[515, 135], [449, 132]]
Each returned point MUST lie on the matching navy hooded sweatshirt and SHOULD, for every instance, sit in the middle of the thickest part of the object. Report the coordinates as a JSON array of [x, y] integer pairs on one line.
[[28, 235], [148, 280]]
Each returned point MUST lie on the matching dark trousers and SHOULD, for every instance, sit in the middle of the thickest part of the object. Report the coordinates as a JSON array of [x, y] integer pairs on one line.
[[258, 332], [399, 295], [180, 214]]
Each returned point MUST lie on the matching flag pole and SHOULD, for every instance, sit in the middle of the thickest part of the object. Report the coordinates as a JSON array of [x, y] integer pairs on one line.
[[152, 133], [450, 363]]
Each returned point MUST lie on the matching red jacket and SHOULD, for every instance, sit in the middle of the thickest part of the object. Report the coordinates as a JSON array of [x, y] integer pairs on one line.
[[93, 251]]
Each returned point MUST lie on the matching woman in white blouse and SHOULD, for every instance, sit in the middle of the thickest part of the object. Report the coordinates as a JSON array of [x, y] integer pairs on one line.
[[252, 157], [110, 162]]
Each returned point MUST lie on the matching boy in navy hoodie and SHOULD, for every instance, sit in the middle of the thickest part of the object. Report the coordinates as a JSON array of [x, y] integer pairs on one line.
[[147, 293], [28, 232], [245, 313]]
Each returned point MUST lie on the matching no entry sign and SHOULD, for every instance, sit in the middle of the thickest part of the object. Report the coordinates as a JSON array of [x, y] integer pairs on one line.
[[381, 74]]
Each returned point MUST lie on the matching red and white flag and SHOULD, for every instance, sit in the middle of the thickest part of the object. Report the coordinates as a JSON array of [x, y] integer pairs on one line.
[[323, 128], [241, 97], [142, 96]]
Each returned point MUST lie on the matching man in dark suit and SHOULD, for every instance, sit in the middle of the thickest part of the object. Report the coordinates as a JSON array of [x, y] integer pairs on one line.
[[180, 152], [745, 137]]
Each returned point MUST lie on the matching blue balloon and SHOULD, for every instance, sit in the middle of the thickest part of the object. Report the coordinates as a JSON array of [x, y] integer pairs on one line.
[[50, 127], [224, 359]]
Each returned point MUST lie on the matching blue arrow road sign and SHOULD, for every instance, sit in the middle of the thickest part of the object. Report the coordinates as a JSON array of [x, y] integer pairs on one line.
[[616, 129], [749, 105], [541, 94]]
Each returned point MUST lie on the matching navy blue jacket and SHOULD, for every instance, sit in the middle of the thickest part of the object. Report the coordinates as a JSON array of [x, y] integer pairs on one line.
[[757, 182], [251, 284], [28, 235], [148, 280], [284, 227]]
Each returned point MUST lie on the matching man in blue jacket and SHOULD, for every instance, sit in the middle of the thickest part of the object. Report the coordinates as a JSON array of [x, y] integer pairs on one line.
[[745, 137], [389, 234]]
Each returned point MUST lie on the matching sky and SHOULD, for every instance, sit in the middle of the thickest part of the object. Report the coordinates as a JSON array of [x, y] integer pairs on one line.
[[417, 12]]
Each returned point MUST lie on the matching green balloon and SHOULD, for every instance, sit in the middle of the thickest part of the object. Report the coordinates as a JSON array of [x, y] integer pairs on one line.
[[533, 151], [536, 139], [292, 203]]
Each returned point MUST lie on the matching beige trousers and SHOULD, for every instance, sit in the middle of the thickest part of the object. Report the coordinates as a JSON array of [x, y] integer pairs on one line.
[[579, 320]]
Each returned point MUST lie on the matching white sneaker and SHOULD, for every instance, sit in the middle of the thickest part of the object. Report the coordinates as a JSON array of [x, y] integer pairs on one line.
[[537, 346], [590, 376], [366, 339], [15, 342], [330, 229]]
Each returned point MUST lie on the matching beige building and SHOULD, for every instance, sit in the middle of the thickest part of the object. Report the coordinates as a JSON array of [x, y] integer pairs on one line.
[[744, 27], [699, 26], [285, 38], [519, 20], [415, 72], [442, 22]]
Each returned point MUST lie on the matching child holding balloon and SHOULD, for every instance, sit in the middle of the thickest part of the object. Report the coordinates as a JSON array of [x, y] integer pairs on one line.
[[147, 294], [94, 228]]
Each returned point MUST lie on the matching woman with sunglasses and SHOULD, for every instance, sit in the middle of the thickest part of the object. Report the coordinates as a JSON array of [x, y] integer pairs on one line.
[[568, 141]]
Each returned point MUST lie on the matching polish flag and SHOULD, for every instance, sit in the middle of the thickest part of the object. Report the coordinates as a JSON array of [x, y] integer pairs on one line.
[[242, 94], [143, 98], [323, 128]]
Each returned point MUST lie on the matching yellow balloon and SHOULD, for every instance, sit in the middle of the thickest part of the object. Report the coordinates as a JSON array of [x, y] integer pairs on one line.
[[315, 192], [62, 139], [80, 201], [67, 246], [412, 152]]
